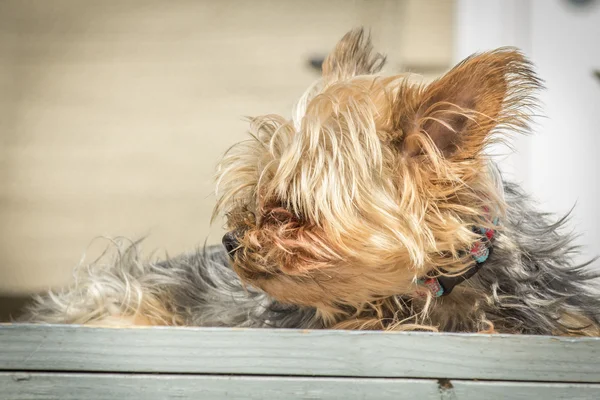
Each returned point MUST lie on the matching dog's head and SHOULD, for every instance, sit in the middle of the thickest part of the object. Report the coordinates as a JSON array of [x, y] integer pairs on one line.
[[375, 181]]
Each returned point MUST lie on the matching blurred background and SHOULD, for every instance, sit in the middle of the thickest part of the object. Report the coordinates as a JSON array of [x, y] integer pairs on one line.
[[113, 114]]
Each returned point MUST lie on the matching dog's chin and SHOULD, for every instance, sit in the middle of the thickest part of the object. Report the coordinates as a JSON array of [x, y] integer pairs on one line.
[[249, 272], [277, 284]]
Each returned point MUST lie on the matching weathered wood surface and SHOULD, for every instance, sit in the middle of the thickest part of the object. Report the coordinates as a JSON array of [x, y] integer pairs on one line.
[[43, 386], [100, 386], [482, 390], [55, 348]]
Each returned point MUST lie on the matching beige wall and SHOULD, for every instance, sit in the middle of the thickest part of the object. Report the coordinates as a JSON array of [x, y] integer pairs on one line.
[[113, 114]]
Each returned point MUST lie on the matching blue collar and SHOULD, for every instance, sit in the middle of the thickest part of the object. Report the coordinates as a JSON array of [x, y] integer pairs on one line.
[[480, 251]]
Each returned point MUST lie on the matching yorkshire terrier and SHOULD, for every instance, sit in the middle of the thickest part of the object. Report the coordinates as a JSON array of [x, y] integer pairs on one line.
[[374, 207]]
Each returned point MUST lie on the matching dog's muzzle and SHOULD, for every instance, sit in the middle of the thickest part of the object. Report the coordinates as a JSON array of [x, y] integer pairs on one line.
[[231, 243]]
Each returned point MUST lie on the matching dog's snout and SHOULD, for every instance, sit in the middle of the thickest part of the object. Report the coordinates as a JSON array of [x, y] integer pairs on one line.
[[230, 242]]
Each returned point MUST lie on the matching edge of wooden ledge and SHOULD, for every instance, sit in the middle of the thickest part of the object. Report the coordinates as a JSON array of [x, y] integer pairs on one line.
[[284, 331], [288, 352]]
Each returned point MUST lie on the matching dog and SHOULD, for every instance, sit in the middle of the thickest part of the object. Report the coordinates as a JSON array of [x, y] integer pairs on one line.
[[374, 207]]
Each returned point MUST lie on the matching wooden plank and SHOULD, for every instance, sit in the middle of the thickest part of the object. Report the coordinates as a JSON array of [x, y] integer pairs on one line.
[[44, 386], [293, 352], [76, 386], [465, 390]]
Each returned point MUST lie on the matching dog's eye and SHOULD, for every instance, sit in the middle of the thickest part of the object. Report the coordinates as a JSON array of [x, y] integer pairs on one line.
[[396, 142]]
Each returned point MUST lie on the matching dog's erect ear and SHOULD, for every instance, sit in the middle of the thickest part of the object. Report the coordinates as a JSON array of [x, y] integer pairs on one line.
[[459, 110], [352, 56]]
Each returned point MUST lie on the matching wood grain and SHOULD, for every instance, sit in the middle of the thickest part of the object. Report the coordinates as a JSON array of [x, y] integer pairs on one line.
[[43, 386], [77, 386], [465, 390], [299, 353]]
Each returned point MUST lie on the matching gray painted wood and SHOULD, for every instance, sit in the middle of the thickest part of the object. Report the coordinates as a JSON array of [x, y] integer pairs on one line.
[[465, 390], [44, 386], [292, 352], [101, 386]]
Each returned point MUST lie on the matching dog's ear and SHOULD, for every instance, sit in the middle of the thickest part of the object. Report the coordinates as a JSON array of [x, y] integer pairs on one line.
[[353, 55], [459, 110]]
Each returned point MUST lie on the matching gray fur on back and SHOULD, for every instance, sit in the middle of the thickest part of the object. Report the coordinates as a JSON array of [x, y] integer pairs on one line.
[[531, 277]]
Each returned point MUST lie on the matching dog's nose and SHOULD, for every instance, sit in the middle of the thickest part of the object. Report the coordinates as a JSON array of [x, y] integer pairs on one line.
[[230, 242]]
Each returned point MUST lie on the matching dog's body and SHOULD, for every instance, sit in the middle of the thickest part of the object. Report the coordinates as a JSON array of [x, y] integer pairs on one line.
[[375, 186]]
